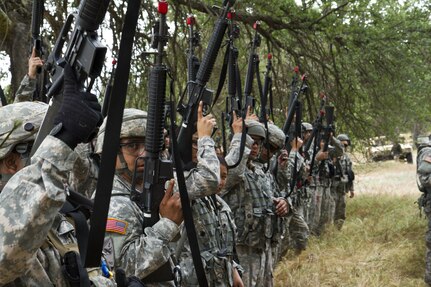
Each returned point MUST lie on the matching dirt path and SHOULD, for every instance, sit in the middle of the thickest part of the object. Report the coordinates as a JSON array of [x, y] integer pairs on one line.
[[387, 177]]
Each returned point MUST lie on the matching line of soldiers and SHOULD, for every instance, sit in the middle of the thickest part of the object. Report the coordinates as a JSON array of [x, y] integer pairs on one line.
[[246, 217]]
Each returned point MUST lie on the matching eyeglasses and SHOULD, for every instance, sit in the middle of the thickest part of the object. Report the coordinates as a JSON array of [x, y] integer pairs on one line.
[[133, 148]]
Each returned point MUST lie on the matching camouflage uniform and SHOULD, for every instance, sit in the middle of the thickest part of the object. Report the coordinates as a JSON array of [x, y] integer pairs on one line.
[[298, 231], [212, 219], [424, 183], [29, 206], [128, 244], [341, 185], [25, 90], [325, 204], [247, 196]]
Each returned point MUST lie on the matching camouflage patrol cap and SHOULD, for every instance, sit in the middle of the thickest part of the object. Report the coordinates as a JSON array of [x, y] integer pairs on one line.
[[19, 123], [254, 128], [276, 136], [344, 137], [134, 125], [307, 126]]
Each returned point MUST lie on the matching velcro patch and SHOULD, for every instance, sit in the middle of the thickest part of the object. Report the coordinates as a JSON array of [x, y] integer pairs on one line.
[[116, 226], [427, 159]]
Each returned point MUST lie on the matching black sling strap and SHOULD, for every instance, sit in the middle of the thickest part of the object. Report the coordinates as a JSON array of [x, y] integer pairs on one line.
[[112, 138], [2, 98], [185, 204]]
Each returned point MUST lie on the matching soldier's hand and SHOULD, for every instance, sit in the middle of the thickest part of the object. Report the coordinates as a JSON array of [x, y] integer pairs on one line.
[[170, 206], [352, 194], [283, 158], [236, 123], [205, 124], [250, 115], [296, 144], [281, 206], [79, 115], [237, 281], [322, 155], [33, 63]]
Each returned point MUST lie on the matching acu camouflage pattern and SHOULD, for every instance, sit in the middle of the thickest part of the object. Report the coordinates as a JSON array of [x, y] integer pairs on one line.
[[25, 90], [423, 162], [246, 194], [29, 206], [139, 251], [15, 119]]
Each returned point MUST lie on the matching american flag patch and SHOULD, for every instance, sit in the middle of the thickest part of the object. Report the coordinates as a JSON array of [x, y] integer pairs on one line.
[[116, 225]]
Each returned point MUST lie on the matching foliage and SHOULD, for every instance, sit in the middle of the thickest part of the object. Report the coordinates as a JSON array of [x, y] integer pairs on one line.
[[370, 57]]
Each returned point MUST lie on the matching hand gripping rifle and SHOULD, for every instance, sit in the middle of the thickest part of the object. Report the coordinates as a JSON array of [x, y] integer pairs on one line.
[[189, 111], [84, 53], [36, 23]]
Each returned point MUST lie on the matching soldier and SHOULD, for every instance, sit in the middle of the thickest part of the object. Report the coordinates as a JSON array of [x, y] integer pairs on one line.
[[38, 245], [343, 182], [423, 162], [139, 250], [28, 83], [253, 207], [211, 215]]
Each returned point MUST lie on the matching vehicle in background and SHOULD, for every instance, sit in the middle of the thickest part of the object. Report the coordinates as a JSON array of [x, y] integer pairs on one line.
[[383, 149]]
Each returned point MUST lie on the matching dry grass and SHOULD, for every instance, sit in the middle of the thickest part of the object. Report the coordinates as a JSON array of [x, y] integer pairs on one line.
[[381, 244]]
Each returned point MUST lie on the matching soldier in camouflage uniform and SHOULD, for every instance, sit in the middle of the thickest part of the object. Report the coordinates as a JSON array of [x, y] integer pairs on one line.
[[323, 172], [343, 182], [252, 205], [212, 216], [34, 236], [139, 250], [28, 83], [423, 162], [275, 220]]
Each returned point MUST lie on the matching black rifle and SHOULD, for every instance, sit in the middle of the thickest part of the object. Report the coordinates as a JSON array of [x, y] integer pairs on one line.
[[189, 111], [108, 90], [36, 22], [192, 60], [317, 125], [296, 134], [267, 93], [253, 62], [294, 99], [84, 53], [329, 115], [156, 171], [3, 99]]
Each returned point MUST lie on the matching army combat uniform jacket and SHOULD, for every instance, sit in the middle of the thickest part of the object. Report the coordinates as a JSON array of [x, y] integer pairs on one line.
[[29, 211]]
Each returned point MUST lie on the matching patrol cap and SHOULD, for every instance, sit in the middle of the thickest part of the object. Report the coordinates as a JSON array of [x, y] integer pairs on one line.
[[19, 123], [254, 128], [307, 126], [134, 125], [276, 136]]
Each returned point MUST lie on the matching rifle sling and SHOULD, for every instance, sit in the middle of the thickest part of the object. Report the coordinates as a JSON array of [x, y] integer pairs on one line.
[[185, 204], [2, 97], [112, 138]]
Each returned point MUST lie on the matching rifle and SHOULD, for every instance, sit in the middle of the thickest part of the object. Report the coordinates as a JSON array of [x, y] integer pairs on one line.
[[108, 91], [189, 111], [253, 63], [296, 134], [84, 53], [3, 100], [192, 60], [317, 124], [267, 92], [36, 22], [294, 99]]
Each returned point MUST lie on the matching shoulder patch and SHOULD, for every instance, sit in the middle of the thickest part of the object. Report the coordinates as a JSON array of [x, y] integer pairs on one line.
[[116, 226], [427, 159]]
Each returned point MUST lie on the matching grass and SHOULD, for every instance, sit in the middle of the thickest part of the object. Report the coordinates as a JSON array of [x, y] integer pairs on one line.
[[381, 244]]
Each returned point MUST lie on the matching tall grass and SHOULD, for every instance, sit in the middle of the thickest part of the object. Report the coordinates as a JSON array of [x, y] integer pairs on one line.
[[381, 244]]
